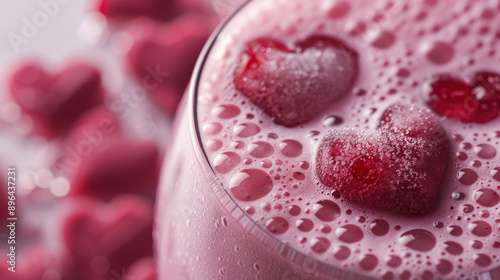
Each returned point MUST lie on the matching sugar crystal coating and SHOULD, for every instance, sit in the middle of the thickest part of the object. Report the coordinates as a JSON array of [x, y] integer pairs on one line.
[[397, 167], [292, 85]]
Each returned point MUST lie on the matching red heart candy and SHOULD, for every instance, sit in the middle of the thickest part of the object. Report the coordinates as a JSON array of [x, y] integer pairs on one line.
[[108, 237], [397, 167], [156, 9], [92, 133], [164, 58], [54, 101], [123, 167], [293, 85], [473, 99]]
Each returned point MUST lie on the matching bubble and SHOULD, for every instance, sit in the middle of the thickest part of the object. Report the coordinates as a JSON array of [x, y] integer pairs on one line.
[[453, 248], [466, 146], [326, 210], [383, 39], [277, 225], [238, 144], [225, 162], [379, 227], [260, 149], [482, 260], [325, 229], [480, 228], [457, 138], [461, 156], [476, 244], [393, 261], [427, 275], [212, 128], [297, 175], [418, 239], [272, 135], [332, 120], [250, 210], [294, 210], [266, 163], [467, 208], [320, 244], [388, 276], [291, 148], [304, 224], [214, 145], [486, 197], [341, 252], [484, 213], [403, 73], [454, 230], [250, 184], [495, 173], [304, 164], [349, 233], [476, 163], [438, 52], [457, 195], [405, 275], [467, 176], [444, 267], [368, 262], [222, 271], [246, 130], [339, 10], [485, 151], [438, 225], [226, 111]]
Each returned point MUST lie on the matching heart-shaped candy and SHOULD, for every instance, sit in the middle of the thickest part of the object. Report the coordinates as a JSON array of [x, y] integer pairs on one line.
[[293, 85], [55, 100], [109, 237], [156, 9], [473, 99], [397, 167], [163, 56], [123, 167]]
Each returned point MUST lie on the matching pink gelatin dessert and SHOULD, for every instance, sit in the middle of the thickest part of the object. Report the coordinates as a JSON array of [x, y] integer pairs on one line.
[[339, 140]]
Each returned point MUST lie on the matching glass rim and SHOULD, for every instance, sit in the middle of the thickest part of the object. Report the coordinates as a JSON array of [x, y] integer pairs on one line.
[[305, 263]]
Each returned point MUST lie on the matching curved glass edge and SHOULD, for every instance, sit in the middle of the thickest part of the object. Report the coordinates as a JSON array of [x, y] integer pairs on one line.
[[302, 261]]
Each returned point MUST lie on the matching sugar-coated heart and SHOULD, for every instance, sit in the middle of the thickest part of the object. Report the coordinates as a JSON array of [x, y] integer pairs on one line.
[[108, 237], [163, 56], [55, 101], [293, 85], [124, 166], [156, 9], [473, 99], [397, 167]]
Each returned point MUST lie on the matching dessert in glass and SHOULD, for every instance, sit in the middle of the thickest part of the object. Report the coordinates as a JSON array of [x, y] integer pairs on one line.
[[338, 140]]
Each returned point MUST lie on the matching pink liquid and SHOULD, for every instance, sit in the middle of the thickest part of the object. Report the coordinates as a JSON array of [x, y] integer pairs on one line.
[[270, 217]]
